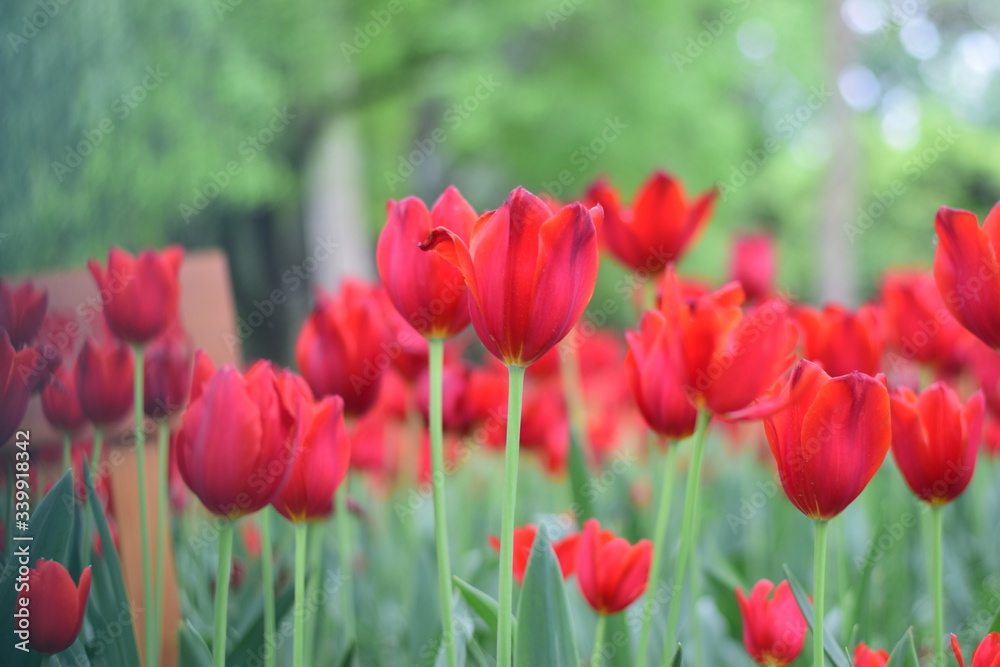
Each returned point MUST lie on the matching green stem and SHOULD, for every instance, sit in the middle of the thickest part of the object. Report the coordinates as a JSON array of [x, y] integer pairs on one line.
[[88, 532], [95, 463], [301, 536], [648, 295], [344, 553], [162, 517], [436, 363], [937, 580], [67, 454], [506, 593], [659, 541], [688, 536], [819, 587], [150, 612], [222, 592], [312, 584], [598, 652], [267, 575]]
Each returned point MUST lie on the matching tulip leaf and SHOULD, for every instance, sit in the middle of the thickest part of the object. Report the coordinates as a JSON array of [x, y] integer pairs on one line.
[[995, 625], [678, 657], [545, 627], [481, 603], [905, 653], [251, 641], [194, 652], [830, 646], [579, 479], [112, 622]]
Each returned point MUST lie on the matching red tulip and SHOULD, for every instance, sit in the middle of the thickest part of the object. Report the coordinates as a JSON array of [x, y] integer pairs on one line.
[[831, 439], [752, 263], [18, 377], [324, 453], [141, 292], [341, 349], [967, 272], [55, 606], [866, 657], [524, 540], [60, 403], [456, 412], [427, 290], [531, 273], [236, 446], [22, 310], [544, 424], [104, 379], [167, 374], [842, 341], [774, 628], [935, 440], [660, 225], [654, 367], [611, 572], [918, 325], [987, 653]]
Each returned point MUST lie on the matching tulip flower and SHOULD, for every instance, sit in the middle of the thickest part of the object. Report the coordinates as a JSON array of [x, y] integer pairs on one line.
[[842, 341], [427, 290], [55, 605], [60, 403], [167, 374], [104, 373], [866, 657], [341, 349], [524, 540], [935, 441], [456, 411], [918, 324], [774, 628], [967, 272], [987, 653], [658, 228], [531, 272], [141, 292], [611, 572], [22, 310], [752, 263], [18, 377], [828, 444]]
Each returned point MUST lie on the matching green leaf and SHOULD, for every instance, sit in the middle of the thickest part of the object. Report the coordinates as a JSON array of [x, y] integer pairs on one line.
[[905, 653], [830, 646], [579, 479], [251, 641], [678, 657], [481, 603], [193, 650], [995, 625], [545, 626]]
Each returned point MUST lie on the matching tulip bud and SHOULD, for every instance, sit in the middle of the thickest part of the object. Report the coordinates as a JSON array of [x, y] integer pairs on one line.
[[611, 573], [55, 604], [774, 628]]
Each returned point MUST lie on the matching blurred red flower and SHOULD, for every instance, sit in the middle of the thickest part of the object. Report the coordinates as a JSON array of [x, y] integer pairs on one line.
[[56, 605], [774, 628], [612, 573]]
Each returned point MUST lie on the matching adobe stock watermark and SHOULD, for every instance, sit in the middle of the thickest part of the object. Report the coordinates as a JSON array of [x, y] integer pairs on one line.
[[451, 120], [586, 155], [249, 148], [562, 12], [913, 169], [784, 131], [121, 107], [713, 30], [899, 14], [366, 32], [45, 11]]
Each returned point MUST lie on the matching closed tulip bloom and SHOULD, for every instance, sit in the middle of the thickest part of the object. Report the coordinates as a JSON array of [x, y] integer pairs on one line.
[[167, 374], [236, 445], [612, 573], [918, 325], [141, 292], [967, 272], [60, 403], [524, 540], [866, 657], [935, 440], [654, 368], [987, 653], [56, 605], [22, 310], [658, 228], [324, 453], [753, 263], [831, 439], [104, 380], [339, 347], [842, 341], [18, 378], [426, 289], [774, 628], [530, 271]]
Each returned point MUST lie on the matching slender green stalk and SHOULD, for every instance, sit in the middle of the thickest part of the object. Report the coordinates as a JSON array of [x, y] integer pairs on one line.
[[937, 580], [648, 296], [88, 533], [659, 543], [436, 370], [819, 587], [151, 617], [598, 652], [222, 592], [267, 576], [513, 445], [312, 586], [301, 536], [688, 536], [67, 455], [162, 517], [95, 463], [344, 553]]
